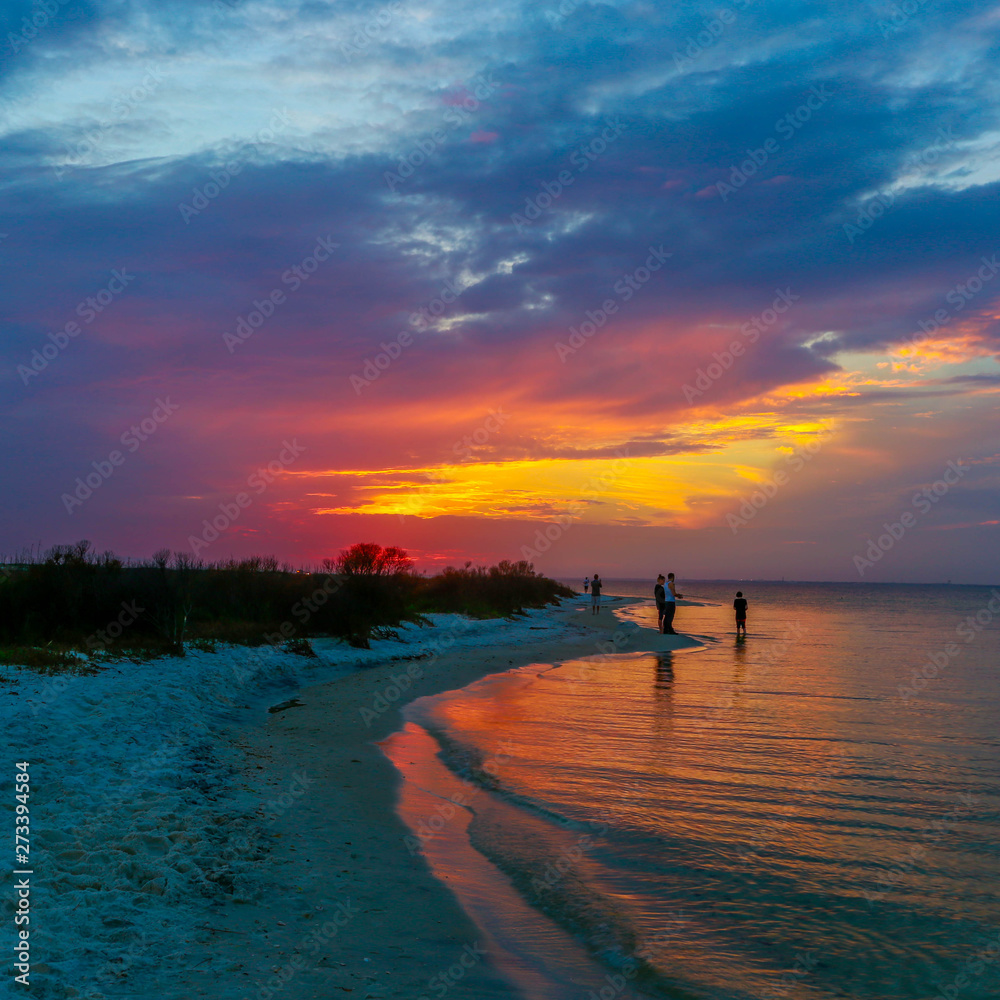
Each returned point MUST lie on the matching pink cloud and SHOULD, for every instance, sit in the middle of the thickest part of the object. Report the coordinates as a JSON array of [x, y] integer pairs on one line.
[[458, 96]]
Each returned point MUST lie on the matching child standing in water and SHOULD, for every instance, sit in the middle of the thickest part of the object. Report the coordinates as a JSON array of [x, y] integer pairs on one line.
[[740, 606]]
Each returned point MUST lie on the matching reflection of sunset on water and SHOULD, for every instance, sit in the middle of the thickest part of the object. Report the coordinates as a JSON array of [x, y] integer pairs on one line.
[[762, 784]]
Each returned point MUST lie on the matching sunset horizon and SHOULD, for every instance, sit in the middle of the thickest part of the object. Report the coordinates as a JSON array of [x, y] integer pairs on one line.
[[502, 500], [658, 311]]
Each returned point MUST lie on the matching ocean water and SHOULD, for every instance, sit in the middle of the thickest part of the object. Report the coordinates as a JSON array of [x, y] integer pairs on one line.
[[811, 812]]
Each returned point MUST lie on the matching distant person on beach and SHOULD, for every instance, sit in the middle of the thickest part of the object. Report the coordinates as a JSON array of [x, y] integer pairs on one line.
[[660, 596], [671, 598], [740, 606], [595, 595], [586, 584]]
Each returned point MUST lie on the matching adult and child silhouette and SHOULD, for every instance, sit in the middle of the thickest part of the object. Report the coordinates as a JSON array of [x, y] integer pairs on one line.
[[666, 595]]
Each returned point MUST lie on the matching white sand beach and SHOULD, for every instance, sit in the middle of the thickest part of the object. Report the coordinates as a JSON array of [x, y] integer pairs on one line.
[[190, 843]]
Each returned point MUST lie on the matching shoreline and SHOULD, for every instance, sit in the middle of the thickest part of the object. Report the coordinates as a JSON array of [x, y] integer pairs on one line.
[[183, 849], [349, 907]]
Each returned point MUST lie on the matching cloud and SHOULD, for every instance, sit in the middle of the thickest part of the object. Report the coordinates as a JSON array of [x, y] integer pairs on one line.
[[277, 126]]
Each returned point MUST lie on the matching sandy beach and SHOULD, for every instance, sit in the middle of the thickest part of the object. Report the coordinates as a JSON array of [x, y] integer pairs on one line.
[[536, 800], [348, 906]]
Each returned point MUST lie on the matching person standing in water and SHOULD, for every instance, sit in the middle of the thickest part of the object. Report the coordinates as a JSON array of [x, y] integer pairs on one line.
[[586, 584], [740, 606], [671, 597], [659, 595], [595, 595]]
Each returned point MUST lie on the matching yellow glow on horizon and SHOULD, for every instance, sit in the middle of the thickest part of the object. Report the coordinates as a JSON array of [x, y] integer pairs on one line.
[[678, 490], [715, 454]]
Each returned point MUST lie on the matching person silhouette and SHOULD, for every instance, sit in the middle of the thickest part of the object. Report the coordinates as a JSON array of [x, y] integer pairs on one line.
[[660, 596], [595, 595], [740, 606], [671, 598]]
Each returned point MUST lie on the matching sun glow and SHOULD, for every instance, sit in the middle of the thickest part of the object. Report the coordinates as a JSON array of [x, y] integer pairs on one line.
[[679, 490]]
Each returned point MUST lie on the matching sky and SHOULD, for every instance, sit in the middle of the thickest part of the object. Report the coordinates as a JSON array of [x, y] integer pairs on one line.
[[621, 287]]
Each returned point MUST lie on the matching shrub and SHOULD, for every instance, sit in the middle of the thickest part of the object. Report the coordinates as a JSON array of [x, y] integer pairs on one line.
[[73, 597]]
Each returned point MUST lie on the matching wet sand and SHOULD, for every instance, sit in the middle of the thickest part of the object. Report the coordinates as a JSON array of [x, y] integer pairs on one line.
[[351, 908]]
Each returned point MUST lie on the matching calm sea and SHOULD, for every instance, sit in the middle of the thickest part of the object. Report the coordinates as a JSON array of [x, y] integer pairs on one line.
[[811, 812]]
